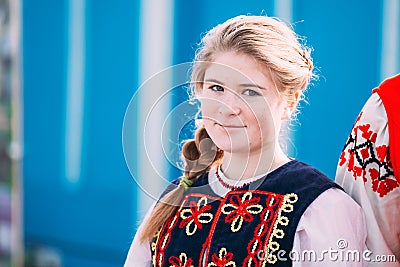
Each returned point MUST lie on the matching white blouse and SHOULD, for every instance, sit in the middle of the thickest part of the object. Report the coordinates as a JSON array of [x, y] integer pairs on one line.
[[330, 231]]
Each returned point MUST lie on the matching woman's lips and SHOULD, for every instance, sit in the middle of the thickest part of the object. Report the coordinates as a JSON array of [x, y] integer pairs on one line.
[[229, 126]]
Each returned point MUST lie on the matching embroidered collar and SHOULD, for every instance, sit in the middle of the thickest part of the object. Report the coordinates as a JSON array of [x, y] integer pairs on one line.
[[234, 184]]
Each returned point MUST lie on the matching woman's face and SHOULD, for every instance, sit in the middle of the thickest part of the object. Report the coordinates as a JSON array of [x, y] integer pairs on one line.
[[241, 106]]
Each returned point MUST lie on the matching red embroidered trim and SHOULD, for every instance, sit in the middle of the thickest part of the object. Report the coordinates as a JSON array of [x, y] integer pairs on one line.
[[164, 239], [226, 185], [264, 229]]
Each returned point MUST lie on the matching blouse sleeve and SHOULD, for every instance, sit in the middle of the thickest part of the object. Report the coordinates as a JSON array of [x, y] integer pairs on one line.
[[331, 232], [367, 172], [140, 253]]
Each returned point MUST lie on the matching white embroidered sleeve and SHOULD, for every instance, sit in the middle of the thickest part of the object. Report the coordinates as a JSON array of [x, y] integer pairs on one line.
[[366, 174]]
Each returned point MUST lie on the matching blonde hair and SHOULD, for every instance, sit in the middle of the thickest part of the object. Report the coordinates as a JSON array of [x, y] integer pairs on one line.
[[270, 42]]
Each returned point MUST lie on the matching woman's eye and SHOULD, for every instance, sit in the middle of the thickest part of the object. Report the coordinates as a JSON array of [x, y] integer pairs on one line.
[[250, 92], [216, 88]]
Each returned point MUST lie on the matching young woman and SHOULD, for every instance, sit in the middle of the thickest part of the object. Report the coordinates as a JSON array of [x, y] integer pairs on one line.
[[242, 201]]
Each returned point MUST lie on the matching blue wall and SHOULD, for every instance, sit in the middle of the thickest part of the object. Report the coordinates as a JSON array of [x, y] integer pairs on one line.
[[91, 222], [345, 36]]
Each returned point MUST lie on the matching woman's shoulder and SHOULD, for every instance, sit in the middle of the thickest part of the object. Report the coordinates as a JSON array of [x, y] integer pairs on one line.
[[334, 205], [299, 178], [336, 198], [303, 172], [298, 167]]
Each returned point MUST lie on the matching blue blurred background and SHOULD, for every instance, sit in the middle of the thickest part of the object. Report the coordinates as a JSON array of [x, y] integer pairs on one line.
[[81, 61]]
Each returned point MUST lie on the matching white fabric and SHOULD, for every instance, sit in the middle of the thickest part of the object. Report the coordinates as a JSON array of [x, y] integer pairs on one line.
[[333, 216], [333, 222], [139, 253], [381, 207]]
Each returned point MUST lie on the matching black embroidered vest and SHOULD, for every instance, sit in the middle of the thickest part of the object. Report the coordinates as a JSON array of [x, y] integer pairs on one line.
[[251, 226]]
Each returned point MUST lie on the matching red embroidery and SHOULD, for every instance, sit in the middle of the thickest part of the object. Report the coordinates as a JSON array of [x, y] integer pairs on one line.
[[351, 167], [263, 209], [359, 117], [365, 131], [384, 188], [382, 152], [366, 160], [365, 153], [182, 261], [264, 229], [223, 259], [241, 207], [164, 238], [225, 184], [196, 212], [342, 158]]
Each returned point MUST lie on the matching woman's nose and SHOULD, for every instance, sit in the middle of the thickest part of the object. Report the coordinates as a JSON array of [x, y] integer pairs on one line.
[[232, 103]]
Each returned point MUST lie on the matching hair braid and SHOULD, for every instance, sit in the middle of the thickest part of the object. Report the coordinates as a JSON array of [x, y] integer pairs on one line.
[[199, 155]]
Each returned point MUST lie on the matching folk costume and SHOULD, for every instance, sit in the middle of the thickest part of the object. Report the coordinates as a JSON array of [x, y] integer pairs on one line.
[[369, 169], [267, 220]]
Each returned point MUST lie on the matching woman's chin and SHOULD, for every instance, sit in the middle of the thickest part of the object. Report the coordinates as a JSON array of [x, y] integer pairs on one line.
[[232, 148]]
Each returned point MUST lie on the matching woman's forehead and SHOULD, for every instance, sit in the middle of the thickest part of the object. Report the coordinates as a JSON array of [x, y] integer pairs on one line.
[[238, 69]]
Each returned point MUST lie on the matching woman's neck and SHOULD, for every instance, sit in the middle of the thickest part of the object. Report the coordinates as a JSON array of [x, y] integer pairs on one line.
[[244, 166]]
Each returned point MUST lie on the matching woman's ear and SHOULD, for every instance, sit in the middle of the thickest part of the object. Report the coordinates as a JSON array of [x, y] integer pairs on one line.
[[291, 105]]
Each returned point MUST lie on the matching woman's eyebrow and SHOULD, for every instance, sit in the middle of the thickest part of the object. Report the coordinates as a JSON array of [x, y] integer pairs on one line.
[[214, 81], [252, 85]]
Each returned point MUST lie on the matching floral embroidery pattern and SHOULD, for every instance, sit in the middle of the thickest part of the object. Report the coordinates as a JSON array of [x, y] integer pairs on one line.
[[182, 261], [224, 259], [367, 160], [239, 210], [264, 210], [196, 215]]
